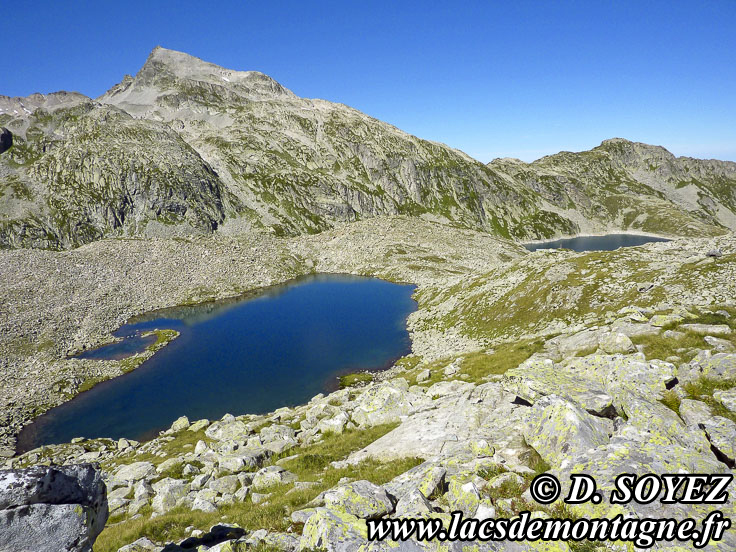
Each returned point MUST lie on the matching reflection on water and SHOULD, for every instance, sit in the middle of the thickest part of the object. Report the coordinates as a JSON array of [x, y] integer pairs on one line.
[[251, 355]]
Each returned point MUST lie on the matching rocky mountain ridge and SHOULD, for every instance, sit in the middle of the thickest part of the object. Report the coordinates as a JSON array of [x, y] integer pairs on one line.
[[186, 146]]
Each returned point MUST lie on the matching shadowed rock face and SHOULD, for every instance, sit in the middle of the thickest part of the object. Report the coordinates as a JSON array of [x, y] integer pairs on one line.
[[6, 140], [48, 509], [185, 146]]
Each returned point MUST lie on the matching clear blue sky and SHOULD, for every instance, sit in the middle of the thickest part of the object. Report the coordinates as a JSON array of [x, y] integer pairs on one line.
[[521, 79]]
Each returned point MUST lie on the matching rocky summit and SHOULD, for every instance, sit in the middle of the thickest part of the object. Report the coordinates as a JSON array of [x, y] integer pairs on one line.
[[187, 147], [189, 183]]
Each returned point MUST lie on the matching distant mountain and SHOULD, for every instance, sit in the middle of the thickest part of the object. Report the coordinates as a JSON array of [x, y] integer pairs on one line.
[[186, 146]]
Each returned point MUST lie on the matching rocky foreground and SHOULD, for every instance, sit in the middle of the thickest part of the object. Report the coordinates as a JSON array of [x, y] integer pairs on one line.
[[601, 362]]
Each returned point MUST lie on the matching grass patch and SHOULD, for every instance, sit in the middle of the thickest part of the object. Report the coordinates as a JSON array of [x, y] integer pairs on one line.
[[660, 347], [358, 378], [703, 389], [504, 357], [479, 365], [672, 401]]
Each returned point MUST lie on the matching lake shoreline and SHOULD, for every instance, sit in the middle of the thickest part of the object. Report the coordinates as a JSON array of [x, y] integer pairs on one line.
[[601, 235]]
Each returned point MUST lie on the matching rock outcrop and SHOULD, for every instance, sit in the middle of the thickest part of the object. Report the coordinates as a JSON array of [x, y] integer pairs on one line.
[[51, 509]]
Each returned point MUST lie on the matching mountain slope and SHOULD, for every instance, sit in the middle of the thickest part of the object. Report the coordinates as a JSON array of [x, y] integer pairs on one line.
[[187, 146], [630, 185]]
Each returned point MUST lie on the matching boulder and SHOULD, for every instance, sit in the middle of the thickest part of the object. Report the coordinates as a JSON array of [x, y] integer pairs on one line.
[[272, 475], [719, 345], [227, 430], [336, 424], [333, 531], [535, 378], [227, 484], [424, 375], [180, 424], [694, 412], [427, 478], [384, 404], [720, 366], [169, 493], [413, 505], [47, 509], [568, 345], [616, 342], [707, 329], [722, 435], [463, 496], [558, 430], [132, 473], [727, 399], [361, 499]]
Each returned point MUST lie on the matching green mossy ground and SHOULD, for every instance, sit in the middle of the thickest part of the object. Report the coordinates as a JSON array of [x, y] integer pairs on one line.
[[312, 464]]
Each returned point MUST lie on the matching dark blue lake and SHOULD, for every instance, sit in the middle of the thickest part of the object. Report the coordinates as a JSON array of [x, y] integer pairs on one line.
[[251, 355], [595, 243]]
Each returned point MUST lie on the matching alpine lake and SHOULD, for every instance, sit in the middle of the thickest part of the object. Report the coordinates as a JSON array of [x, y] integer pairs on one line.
[[246, 355]]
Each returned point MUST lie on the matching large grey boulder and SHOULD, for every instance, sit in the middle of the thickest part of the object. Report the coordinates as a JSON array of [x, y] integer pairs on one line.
[[51, 508], [559, 429]]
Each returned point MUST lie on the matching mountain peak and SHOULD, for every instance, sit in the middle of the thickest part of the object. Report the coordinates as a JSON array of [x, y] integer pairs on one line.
[[169, 72], [175, 59]]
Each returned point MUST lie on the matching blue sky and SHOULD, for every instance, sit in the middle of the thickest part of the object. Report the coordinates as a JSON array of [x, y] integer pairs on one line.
[[494, 79]]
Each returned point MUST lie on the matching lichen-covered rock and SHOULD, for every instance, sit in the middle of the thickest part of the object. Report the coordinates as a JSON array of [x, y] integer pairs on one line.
[[230, 430], [383, 404], [336, 424], [272, 475], [558, 429], [225, 484], [720, 345], [180, 424], [427, 478], [616, 342], [276, 541], [707, 329], [169, 494], [660, 320], [132, 473], [361, 499], [726, 398], [47, 509], [722, 435], [720, 366], [276, 432], [463, 495], [567, 345], [536, 378], [694, 412], [333, 531], [503, 479], [413, 504]]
